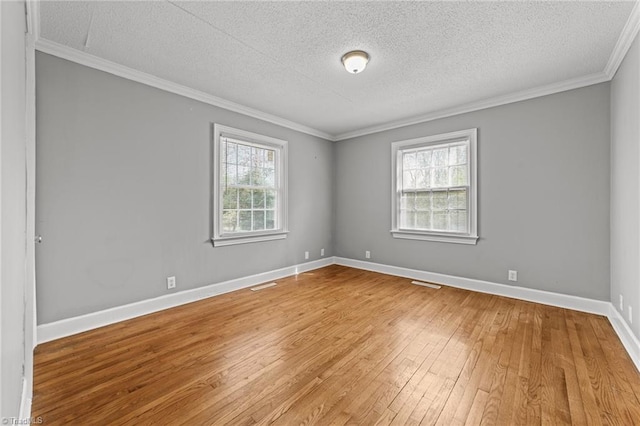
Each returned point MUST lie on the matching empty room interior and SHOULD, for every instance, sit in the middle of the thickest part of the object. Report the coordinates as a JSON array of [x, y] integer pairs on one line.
[[319, 212]]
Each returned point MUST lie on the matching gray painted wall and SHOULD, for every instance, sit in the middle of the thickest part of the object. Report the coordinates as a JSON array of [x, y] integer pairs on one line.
[[13, 202], [543, 168], [625, 185], [123, 178], [123, 194]]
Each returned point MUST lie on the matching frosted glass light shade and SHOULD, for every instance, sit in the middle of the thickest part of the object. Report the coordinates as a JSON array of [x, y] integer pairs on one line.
[[355, 61]]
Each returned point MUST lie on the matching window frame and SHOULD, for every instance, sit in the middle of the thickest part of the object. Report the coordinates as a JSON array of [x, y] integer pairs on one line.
[[397, 148], [221, 238]]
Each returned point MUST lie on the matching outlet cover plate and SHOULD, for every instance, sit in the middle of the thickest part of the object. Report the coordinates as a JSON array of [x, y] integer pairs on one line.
[[171, 282]]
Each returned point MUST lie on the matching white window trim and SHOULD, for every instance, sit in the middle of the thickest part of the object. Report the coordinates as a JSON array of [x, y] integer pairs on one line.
[[445, 237], [219, 238]]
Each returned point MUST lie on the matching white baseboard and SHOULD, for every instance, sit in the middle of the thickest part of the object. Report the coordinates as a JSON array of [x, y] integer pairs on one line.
[[628, 339], [79, 324], [599, 307], [25, 400]]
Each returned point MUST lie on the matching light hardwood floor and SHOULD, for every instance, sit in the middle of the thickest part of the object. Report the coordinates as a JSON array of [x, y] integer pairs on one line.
[[338, 346]]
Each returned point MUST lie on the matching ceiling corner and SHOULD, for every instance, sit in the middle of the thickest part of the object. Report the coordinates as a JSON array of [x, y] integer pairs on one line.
[[624, 42], [32, 10]]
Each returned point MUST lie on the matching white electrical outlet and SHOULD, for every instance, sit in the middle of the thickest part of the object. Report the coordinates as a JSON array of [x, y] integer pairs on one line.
[[630, 315], [367, 254], [622, 303], [171, 282], [513, 275], [306, 255], [321, 252]]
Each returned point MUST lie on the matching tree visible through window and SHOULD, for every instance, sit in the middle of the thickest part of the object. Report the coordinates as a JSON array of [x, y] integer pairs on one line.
[[249, 187], [435, 188], [249, 194]]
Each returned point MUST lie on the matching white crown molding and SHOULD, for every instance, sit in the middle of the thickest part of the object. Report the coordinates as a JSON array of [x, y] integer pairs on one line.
[[92, 61], [550, 89], [624, 42], [86, 59], [33, 18], [79, 324]]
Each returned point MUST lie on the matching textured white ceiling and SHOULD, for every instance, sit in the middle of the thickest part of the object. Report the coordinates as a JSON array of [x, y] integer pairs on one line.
[[283, 58]]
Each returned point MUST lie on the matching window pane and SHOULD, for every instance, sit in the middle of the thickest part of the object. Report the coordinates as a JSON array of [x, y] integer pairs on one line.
[[458, 155], [440, 200], [257, 177], [244, 155], [407, 201], [231, 175], [440, 221], [423, 159], [254, 178], [458, 200], [244, 175], [270, 159], [440, 177], [229, 220], [231, 150], [423, 220], [258, 220], [409, 179], [230, 198], [409, 161], [458, 175], [270, 199], [423, 201], [441, 157], [269, 178], [244, 197], [458, 221], [258, 199], [258, 157], [423, 179], [255, 156], [270, 222], [245, 221], [407, 219]]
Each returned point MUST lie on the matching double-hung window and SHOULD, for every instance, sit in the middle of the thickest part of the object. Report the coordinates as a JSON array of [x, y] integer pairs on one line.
[[435, 188], [249, 187]]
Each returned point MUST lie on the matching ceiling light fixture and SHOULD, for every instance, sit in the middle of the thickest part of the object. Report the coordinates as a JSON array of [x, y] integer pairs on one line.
[[355, 61]]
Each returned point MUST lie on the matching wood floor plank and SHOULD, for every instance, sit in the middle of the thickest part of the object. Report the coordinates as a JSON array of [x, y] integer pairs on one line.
[[496, 395], [342, 346], [587, 396], [477, 408], [535, 379]]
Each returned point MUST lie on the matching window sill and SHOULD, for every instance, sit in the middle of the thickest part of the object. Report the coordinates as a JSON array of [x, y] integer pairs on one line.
[[245, 239], [433, 236]]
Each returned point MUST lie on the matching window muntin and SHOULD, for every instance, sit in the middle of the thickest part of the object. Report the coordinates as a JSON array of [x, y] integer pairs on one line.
[[434, 196], [249, 187]]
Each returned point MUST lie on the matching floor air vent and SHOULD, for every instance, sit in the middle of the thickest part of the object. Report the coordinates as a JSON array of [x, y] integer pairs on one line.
[[263, 286], [426, 284]]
